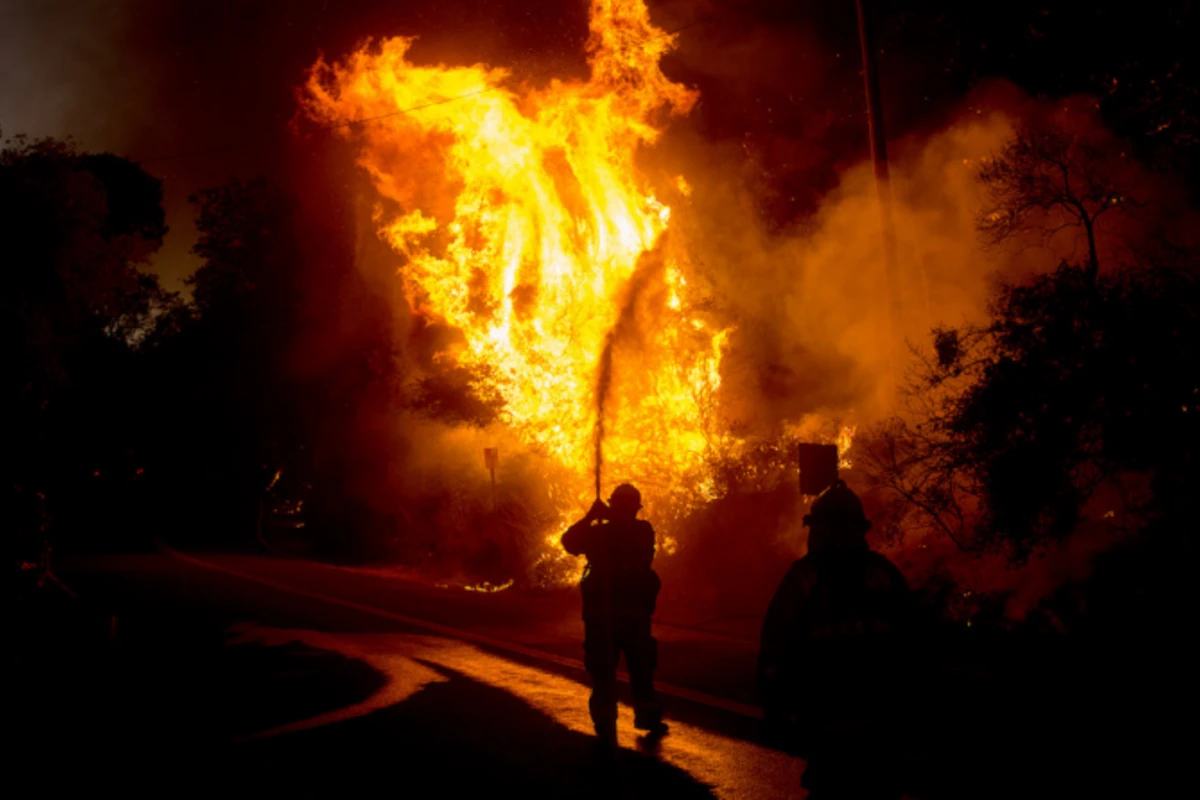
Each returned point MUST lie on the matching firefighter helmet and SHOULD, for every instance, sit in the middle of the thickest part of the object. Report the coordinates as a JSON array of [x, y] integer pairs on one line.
[[626, 494], [839, 506]]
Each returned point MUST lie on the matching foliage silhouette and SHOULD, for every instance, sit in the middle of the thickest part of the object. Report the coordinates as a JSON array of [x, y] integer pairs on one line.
[[75, 303]]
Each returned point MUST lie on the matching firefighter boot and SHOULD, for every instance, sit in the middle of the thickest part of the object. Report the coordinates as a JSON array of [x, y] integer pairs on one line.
[[649, 718]]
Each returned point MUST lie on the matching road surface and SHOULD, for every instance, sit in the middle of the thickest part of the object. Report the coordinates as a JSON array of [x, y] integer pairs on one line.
[[181, 674], [253, 675]]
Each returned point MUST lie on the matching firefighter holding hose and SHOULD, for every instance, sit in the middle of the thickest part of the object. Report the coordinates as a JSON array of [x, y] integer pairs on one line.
[[620, 589]]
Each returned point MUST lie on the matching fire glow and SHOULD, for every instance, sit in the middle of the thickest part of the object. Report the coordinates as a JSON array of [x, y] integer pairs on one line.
[[525, 223]]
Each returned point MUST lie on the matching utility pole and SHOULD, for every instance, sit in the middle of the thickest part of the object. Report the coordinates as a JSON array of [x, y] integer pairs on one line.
[[883, 188]]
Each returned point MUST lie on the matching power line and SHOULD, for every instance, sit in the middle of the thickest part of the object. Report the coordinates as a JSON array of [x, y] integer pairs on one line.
[[260, 140]]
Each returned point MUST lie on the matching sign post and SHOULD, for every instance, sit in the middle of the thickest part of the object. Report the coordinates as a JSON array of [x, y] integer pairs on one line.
[[818, 467]]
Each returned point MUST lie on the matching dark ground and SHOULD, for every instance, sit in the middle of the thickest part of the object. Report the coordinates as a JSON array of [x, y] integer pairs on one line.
[[159, 701]]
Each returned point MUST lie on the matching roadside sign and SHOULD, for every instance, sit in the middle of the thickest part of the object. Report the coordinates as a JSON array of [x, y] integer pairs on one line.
[[818, 467]]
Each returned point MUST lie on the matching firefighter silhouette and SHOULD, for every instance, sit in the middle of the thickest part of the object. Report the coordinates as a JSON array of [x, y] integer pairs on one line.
[[831, 653], [620, 590]]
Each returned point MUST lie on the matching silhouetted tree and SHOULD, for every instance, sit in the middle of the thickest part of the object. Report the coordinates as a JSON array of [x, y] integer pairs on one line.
[[1079, 388], [1018, 423], [1047, 180], [220, 365], [275, 380], [77, 230]]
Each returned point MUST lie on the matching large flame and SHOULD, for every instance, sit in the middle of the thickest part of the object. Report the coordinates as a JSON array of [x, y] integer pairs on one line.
[[526, 223]]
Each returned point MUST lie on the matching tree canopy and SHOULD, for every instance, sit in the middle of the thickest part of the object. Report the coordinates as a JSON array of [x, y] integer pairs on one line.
[[78, 231]]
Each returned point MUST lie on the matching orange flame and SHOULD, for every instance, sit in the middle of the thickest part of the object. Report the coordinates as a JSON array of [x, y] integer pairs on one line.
[[844, 441], [522, 218]]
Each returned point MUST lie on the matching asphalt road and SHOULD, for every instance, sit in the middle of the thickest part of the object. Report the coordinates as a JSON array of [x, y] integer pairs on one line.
[[245, 675], [182, 675]]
